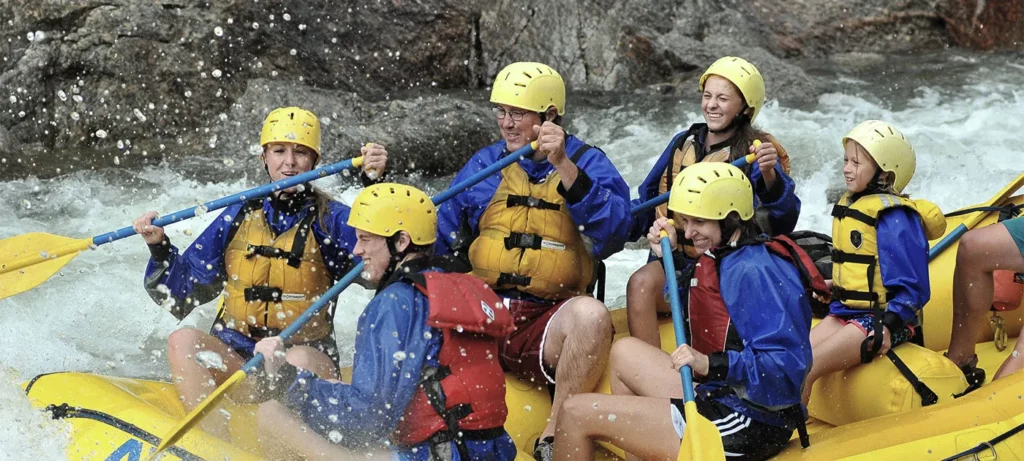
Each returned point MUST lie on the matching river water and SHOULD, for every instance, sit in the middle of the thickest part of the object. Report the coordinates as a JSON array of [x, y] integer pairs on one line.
[[964, 114]]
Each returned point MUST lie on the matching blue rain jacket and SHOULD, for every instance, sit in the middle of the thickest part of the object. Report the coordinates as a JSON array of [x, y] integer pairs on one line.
[[393, 344]]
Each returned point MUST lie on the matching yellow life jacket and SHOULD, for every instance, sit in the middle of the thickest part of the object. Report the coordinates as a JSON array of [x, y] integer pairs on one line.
[[856, 278], [685, 156], [272, 280], [529, 242]]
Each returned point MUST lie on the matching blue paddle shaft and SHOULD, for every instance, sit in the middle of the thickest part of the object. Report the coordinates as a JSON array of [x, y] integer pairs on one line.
[[738, 163], [484, 173], [313, 310], [946, 242], [256, 192], [677, 313], [347, 280]]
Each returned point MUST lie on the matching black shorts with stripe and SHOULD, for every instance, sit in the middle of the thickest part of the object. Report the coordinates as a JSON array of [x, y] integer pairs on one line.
[[743, 438]]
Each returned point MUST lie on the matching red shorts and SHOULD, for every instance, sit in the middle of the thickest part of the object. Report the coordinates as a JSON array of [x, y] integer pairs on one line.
[[521, 352]]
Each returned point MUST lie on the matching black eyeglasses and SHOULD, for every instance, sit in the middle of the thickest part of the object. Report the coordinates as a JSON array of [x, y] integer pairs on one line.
[[517, 115]]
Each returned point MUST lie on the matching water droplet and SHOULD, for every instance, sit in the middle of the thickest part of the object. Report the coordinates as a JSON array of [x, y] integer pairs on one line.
[[139, 115], [286, 17], [216, 73], [256, 25], [62, 95], [218, 31], [528, 408], [101, 134], [399, 355], [612, 417], [293, 52], [335, 436]]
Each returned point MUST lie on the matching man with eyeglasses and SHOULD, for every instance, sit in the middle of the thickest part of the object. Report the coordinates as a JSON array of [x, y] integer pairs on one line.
[[537, 231]]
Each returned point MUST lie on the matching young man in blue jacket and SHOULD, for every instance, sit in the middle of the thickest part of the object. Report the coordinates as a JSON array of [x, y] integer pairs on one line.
[[536, 233], [426, 381]]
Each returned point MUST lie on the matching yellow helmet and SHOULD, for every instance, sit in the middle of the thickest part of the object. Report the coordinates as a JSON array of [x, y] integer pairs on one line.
[[744, 75], [529, 85], [385, 209], [292, 124], [711, 190], [888, 147]]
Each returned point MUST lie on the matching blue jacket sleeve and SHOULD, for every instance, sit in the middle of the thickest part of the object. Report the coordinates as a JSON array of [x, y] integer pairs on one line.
[[336, 241], [391, 346], [781, 201], [196, 276], [775, 327], [903, 260], [599, 202]]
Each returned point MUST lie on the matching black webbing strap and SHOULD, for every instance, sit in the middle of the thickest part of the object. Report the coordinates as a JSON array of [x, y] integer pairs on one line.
[[928, 396], [532, 202], [513, 279], [523, 240], [263, 294], [431, 385], [840, 211], [298, 245], [839, 257]]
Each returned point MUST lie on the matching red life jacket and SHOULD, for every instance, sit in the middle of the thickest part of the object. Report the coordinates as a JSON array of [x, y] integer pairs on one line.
[[710, 327], [464, 397]]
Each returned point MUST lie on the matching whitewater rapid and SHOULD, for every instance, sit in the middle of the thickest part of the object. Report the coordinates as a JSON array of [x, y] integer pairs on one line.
[[964, 115]]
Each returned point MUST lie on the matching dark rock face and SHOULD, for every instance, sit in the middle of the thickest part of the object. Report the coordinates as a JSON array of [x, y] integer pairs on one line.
[[93, 74], [985, 24], [431, 135]]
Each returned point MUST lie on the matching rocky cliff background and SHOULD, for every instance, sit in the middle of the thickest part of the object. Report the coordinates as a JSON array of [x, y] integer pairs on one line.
[[99, 83]]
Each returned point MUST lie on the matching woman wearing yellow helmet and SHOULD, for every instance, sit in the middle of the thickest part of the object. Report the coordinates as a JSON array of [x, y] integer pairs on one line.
[[749, 353], [732, 96], [271, 257], [880, 260]]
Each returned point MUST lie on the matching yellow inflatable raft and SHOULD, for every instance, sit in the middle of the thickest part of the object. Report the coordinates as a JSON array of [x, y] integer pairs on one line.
[[119, 419]]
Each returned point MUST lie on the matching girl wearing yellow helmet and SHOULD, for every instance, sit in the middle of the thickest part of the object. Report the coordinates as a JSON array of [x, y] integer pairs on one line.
[[271, 258], [732, 95], [880, 260]]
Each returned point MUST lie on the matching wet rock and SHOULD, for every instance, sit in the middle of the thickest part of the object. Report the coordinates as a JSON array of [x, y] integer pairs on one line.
[[985, 24], [431, 134]]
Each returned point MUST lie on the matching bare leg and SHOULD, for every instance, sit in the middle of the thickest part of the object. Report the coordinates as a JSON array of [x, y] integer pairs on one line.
[[839, 351], [1013, 364], [644, 299], [284, 436], [981, 251], [308, 358], [640, 425], [195, 381], [637, 368], [577, 343]]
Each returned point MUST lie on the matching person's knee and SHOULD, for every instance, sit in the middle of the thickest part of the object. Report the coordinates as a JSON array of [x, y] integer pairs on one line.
[[183, 342], [575, 410], [304, 357], [590, 317], [967, 250]]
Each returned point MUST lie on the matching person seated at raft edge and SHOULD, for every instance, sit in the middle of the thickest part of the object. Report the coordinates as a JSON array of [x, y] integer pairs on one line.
[[749, 353], [982, 251], [880, 260], [733, 94], [425, 373], [263, 256], [536, 231]]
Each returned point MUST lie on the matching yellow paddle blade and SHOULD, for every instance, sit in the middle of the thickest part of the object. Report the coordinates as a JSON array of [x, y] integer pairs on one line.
[[701, 440], [29, 259], [197, 414]]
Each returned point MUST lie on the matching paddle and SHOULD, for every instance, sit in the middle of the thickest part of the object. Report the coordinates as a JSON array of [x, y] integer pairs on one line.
[[701, 440], [210, 402], [974, 220], [36, 256], [738, 163]]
